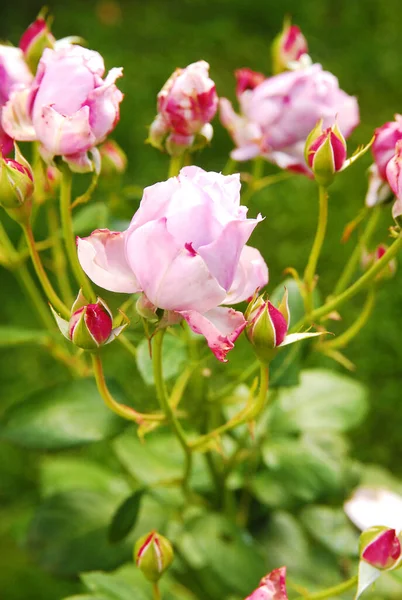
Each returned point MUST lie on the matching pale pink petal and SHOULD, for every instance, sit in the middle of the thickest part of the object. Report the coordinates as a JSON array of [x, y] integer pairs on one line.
[[223, 254], [65, 135], [102, 257], [104, 105], [220, 326], [172, 277], [251, 274], [15, 117]]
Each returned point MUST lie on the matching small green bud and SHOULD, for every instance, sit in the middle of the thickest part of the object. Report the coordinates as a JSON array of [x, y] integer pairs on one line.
[[153, 554]]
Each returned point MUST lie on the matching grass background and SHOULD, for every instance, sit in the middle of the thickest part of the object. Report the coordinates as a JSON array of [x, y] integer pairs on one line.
[[360, 43]]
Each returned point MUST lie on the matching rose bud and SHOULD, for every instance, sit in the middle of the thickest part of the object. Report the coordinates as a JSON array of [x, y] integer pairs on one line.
[[16, 186], [35, 39], [90, 325], [394, 177], [153, 554], [113, 159], [267, 326], [186, 105], [370, 258], [325, 153], [288, 47], [380, 547], [272, 586]]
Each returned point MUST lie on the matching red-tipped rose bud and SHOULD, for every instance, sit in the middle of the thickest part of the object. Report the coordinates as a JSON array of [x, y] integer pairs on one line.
[[35, 39], [370, 258], [16, 186], [288, 47], [114, 160], [153, 554], [325, 153], [267, 326], [380, 547], [90, 325], [247, 80], [272, 586]]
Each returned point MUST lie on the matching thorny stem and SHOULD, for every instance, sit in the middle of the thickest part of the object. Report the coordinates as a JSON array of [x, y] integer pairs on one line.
[[126, 412], [354, 289], [53, 298], [355, 257], [336, 590], [167, 408], [311, 267], [68, 234]]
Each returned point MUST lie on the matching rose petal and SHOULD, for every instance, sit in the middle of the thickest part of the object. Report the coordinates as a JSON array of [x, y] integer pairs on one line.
[[251, 274], [102, 256], [221, 327]]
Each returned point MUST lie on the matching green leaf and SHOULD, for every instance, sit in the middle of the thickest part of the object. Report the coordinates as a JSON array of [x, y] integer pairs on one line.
[[63, 416], [125, 517], [174, 357], [303, 467], [15, 336], [331, 527], [88, 218], [324, 401], [114, 587], [61, 473], [285, 368], [68, 533]]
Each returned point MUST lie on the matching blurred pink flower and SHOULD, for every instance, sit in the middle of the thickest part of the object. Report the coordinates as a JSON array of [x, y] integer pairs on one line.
[[394, 177], [185, 249], [277, 115], [70, 109], [186, 105], [13, 73]]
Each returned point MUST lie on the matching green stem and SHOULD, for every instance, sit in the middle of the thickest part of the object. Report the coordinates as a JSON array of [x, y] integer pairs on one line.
[[311, 267], [41, 273], [356, 255], [167, 408], [175, 165], [68, 234], [359, 285], [156, 593], [342, 340], [126, 412], [229, 167], [336, 590], [59, 260]]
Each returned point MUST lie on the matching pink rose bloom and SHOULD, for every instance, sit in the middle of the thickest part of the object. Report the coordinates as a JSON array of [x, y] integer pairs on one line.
[[383, 150], [70, 109], [186, 105], [272, 586], [13, 73], [185, 249], [394, 177], [278, 114]]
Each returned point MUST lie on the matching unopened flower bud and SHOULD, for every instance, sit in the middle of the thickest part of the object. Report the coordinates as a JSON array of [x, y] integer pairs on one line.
[[153, 554], [16, 186], [90, 325], [288, 47], [272, 586], [35, 39], [380, 547], [325, 153], [370, 258], [114, 160], [267, 326]]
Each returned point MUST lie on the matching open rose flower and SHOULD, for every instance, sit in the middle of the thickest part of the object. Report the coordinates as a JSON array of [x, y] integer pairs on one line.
[[186, 105], [186, 250], [383, 149], [279, 113], [69, 109], [13, 73]]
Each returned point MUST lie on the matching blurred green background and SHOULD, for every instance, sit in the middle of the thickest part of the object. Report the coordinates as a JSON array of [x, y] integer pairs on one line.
[[357, 41]]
